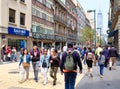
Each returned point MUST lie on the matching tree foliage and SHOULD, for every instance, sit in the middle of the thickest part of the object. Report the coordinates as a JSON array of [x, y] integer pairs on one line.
[[87, 35]]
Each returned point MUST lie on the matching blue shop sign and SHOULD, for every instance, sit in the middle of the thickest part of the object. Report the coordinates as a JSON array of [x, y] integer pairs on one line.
[[18, 31]]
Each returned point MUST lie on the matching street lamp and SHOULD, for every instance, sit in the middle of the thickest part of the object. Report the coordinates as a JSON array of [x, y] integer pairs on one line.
[[89, 11], [100, 35]]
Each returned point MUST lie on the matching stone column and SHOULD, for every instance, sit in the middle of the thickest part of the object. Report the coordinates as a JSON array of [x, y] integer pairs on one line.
[[41, 44], [29, 43]]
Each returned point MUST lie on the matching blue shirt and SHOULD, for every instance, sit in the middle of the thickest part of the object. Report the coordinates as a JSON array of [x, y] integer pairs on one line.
[[42, 58]]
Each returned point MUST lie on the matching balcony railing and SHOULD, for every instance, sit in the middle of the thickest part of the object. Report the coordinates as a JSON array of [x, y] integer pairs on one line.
[[60, 19]]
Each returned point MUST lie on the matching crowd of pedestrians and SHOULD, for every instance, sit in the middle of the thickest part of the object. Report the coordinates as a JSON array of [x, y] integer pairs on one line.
[[67, 61], [8, 53]]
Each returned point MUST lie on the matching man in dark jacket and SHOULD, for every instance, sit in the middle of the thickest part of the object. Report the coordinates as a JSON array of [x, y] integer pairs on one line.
[[113, 54], [70, 76], [35, 56], [105, 53]]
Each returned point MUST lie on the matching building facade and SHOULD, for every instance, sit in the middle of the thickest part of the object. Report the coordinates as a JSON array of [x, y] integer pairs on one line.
[[15, 23], [81, 22], [60, 18], [71, 21], [114, 24], [43, 23]]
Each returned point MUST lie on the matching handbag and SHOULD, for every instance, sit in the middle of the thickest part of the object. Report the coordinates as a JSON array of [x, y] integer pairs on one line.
[[25, 64]]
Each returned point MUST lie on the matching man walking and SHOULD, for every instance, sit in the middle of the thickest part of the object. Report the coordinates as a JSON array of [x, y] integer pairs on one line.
[[68, 66], [113, 54], [35, 56]]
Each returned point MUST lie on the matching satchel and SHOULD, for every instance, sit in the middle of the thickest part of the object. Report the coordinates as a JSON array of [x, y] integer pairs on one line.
[[25, 64]]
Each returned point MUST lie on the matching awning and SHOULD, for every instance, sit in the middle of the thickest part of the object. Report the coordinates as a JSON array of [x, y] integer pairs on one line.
[[112, 33]]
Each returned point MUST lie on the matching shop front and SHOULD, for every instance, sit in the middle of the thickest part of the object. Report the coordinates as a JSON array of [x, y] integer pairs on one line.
[[43, 40], [18, 38]]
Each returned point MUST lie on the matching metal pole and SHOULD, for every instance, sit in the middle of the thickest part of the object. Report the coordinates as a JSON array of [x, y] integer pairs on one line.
[[100, 36], [95, 25]]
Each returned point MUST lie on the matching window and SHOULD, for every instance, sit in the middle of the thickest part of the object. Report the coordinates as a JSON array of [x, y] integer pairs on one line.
[[12, 15], [44, 16], [22, 0], [44, 2], [22, 19], [48, 5], [39, 1]]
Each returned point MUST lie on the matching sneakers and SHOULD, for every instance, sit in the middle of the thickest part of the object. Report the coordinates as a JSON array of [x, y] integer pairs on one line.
[[45, 82], [101, 76], [36, 80]]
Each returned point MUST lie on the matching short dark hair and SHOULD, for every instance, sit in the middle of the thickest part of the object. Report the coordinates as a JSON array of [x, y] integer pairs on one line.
[[70, 45], [55, 50]]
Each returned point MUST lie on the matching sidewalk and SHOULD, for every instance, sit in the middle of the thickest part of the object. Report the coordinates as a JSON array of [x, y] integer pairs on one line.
[[10, 75]]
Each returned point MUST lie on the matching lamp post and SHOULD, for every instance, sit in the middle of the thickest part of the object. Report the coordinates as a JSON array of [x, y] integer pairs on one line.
[[90, 11], [100, 35]]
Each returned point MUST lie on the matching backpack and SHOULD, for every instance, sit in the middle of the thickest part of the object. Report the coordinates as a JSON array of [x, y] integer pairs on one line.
[[69, 64], [101, 60], [89, 55]]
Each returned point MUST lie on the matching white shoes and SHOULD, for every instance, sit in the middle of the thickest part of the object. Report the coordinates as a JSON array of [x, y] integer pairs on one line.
[[45, 82]]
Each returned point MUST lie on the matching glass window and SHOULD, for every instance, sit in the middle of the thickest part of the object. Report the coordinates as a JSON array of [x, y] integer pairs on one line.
[[17, 43], [37, 13], [33, 11], [37, 28], [22, 0], [22, 19], [44, 2], [33, 28], [48, 5], [44, 16], [39, 1], [40, 15], [12, 15]]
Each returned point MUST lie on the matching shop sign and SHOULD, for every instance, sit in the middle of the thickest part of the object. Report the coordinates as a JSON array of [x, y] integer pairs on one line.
[[18, 31], [37, 35], [58, 38]]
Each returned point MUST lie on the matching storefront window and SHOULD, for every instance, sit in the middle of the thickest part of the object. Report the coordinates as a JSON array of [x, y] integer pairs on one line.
[[17, 43]]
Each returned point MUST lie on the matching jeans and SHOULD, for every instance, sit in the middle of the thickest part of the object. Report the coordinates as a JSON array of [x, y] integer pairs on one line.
[[101, 69], [44, 72], [25, 70], [70, 78], [35, 69]]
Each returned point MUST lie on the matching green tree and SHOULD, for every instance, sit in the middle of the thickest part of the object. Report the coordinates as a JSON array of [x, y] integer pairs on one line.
[[87, 35]]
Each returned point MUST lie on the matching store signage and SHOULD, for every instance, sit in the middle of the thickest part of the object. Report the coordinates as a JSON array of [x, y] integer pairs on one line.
[[37, 35], [18, 31]]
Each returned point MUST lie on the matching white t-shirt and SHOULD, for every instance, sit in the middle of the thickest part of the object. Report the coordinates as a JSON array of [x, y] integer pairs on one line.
[[24, 58]]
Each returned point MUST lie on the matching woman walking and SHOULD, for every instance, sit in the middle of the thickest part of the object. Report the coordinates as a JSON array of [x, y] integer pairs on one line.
[[25, 61], [89, 56], [44, 64], [54, 61], [101, 62]]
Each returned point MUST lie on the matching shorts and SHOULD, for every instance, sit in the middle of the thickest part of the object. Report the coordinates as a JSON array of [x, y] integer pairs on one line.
[[89, 63]]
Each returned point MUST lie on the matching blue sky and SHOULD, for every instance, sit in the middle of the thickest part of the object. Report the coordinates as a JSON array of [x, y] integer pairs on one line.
[[102, 5]]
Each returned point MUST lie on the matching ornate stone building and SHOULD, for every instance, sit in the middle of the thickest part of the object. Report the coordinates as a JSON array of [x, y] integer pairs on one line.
[[114, 24]]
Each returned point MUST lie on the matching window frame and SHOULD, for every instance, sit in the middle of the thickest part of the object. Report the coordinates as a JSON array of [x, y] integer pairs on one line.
[[24, 18], [12, 15]]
